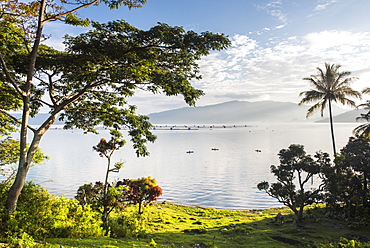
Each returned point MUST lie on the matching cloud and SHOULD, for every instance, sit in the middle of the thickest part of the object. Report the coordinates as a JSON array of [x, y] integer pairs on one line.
[[252, 70], [324, 4], [274, 8], [275, 71]]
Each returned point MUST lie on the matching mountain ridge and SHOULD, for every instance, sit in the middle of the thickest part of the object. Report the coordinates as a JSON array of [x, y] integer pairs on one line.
[[237, 112]]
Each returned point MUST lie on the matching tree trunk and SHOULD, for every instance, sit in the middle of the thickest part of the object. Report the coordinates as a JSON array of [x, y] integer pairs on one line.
[[297, 216], [23, 167], [332, 128], [140, 211], [105, 220], [16, 188], [25, 157]]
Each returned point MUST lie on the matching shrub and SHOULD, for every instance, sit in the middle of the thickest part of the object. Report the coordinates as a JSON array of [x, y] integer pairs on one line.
[[41, 215], [128, 224], [346, 243], [75, 221], [141, 191], [22, 240]]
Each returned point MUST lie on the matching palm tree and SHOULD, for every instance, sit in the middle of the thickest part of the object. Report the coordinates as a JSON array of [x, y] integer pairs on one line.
[[364, 129], [329, 85]]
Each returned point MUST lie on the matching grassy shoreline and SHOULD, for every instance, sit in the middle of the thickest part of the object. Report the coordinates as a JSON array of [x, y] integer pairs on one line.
[[173, 225]]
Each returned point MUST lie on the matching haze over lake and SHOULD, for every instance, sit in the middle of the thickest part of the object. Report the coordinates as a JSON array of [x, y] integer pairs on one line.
[[225, 178]]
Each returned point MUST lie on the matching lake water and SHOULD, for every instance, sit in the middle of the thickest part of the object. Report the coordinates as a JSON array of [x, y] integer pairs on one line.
[[222, 179]]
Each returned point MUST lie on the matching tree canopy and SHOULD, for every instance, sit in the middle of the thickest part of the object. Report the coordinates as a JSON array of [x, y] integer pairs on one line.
[[295, 167], [88, 84]]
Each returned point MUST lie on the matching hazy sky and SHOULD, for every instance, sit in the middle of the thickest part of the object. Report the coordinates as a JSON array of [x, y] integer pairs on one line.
[[275, 43]]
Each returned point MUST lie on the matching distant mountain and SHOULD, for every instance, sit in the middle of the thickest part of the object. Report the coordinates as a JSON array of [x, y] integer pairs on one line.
[[236, 112], [349, 116]]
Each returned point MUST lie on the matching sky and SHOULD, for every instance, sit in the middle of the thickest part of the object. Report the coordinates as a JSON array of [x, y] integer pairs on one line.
[[275, 44]]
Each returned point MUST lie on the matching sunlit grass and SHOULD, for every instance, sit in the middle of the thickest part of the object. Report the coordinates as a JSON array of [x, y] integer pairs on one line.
[[171, 225]]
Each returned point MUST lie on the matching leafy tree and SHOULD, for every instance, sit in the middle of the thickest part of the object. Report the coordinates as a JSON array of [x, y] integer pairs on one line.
[[88, 84], [103, 198], [341, 187], [347, 185], [22, 24], [295, 167], [109, 196], [357, 156], [328, 86], [141, 191], [106, 149], [364, 129]]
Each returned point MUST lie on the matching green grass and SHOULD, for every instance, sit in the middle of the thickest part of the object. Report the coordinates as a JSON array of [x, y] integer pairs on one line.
[[171, 225]]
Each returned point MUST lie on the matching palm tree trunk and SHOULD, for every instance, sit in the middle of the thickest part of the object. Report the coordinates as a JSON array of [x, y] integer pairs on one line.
[[332, 128]]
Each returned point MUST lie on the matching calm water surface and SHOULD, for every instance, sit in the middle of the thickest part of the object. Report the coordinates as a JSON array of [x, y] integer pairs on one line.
[[225, 178]]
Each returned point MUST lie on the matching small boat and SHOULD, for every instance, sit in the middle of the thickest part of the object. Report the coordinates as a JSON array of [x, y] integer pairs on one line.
[[189, 151], [214, 149]]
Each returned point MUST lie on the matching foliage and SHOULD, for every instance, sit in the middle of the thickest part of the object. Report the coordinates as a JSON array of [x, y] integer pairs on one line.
[[41, 215], [348, 183], [104, 197], [346, 243], [93, 194], [101, 200], [328, 86], [129, 224], [88, 84], [23, 240], [109, 194], [8, 102], [340, 185], [294, 166], [364, 129], [141, 191], [357, 156]]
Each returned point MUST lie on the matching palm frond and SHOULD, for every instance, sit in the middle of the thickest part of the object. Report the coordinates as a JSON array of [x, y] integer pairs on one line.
[[366, 90], [316, 106], [310, 96], [365, 105], [314, 82], [348, 102], [345, 84], [365, 117], [362, 131]]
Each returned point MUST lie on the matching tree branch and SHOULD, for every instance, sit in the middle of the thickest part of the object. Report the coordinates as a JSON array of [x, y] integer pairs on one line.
[[56, 17], [9, 77], [16, 120]]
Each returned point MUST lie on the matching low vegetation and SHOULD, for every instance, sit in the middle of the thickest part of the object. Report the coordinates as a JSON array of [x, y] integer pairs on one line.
[[172, 225]]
